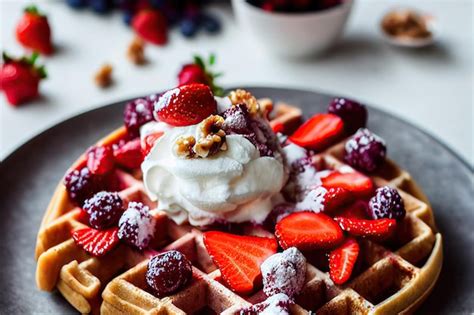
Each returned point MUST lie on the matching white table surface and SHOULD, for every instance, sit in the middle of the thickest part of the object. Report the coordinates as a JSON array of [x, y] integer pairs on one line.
[[432, 88]]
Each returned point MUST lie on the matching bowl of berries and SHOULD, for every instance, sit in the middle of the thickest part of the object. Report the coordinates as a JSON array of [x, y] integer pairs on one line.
[[293, 28]]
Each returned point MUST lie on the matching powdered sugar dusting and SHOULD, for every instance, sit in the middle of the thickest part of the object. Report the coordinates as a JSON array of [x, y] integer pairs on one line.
[[345, 169], [313, 201], [278, 304], [284, 273], [136, 225]]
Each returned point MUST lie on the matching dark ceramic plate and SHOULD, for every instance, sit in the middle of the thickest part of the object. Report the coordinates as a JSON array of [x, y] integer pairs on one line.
[[30, 174]]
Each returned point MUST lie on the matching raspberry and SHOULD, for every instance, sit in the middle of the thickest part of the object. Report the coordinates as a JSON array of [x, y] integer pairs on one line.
[[137, 113], [365, 151], [100, 159], [352, 113], [387, 203], [136, 226], [276, 304], [104, 209], [82, 184], [168, 272], [284, 273]]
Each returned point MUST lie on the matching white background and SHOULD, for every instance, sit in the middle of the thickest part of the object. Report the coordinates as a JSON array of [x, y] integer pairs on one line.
[[433, 87]]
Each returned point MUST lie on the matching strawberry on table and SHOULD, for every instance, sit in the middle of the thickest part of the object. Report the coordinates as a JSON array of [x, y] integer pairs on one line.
[[200, 72], [19, 78], [360, 185], [33, 31], [239, 258], [379, 229], [308, 231], [185, 105], [95, 242], [342, 261], [151, 25], [319, 132]]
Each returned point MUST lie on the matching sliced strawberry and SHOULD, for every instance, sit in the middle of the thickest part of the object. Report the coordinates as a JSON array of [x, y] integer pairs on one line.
[[335, 198], [130, 154], [342, 261], [95, 242], [357, 210], [186, 105], [379, 229], [151, 25], [319, 132], [100, 160], [149, 141], [277, 126], [308, 231], [239, 258], [360, 185]]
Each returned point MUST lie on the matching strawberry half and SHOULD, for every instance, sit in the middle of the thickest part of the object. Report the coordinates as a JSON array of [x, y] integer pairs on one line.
[[379, 229], [100, 160], [151, 25], [308, 231], [342, 261], [130, 154], [239, 258], [335, 198], [357, 210], [360, 185], [185, 105], [95, 242], [319, 132], [33, 31], [149, 141]]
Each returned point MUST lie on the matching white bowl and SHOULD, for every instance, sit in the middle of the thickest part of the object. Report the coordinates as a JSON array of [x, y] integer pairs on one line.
[[293, 34]]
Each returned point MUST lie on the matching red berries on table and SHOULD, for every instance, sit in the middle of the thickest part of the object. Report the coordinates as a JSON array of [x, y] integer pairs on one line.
[[151, 25], [20, 78], [365, 151], [168, 272], [33, 31], [351, 112], [104, 209], [185, 105], [387, 203]]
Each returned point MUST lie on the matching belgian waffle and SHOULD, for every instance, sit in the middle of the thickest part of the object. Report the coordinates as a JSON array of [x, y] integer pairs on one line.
[[391, 279]]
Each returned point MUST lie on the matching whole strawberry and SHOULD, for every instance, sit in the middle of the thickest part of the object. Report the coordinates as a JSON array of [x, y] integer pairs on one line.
[[200, 72], [19, 78], [33, 31], [151, 25]]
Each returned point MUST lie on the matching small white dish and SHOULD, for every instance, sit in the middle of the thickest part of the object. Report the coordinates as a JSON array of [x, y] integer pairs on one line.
[[293, 34]]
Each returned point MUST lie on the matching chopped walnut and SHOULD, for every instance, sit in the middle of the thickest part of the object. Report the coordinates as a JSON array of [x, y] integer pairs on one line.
[[103, 77], [405, 23], [212, 137], [136, 51], [183, 146], [242, 96]]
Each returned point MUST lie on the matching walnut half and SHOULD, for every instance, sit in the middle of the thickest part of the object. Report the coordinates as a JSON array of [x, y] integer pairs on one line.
[[241, 96], [183, 146], [211, 138]]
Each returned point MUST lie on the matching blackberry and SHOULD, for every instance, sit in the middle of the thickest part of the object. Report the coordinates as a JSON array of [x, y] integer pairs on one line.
[[168, 272], [352, 113], [81, 184], [137, 226], [104, 209], [387, 203], [137, 113], [365, 151]]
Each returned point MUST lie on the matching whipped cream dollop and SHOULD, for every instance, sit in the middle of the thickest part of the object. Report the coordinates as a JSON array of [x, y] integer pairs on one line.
[[235, 185]]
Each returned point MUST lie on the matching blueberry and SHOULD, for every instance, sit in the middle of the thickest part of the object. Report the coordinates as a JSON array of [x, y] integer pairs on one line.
[[210, 23], [127, 17], [77, 4], [100, 6], [158, 4], [188, 27]]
